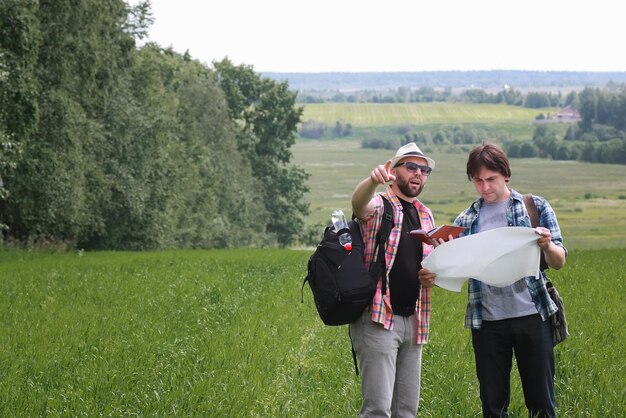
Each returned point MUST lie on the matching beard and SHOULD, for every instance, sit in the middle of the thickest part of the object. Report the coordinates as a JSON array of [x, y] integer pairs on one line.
[[405, 187]]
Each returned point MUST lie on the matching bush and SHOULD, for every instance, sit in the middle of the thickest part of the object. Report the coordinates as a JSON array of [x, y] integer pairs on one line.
[[377, 143], [529, 150], [312, 129]]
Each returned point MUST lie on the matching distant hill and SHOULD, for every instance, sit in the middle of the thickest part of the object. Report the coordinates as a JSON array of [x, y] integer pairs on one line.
[[345, 81]]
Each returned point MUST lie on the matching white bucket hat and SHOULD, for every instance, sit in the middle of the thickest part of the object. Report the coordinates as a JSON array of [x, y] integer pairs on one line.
[[411, 150]]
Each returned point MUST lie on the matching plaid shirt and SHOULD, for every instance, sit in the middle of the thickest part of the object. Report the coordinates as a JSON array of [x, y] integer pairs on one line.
[[516, 215], [381, 304]]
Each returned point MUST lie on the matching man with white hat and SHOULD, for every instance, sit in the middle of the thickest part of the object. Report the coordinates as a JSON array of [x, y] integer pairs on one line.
[[388, 337]]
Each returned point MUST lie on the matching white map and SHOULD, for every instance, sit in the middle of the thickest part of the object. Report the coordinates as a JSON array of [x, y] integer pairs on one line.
[[498, 257]]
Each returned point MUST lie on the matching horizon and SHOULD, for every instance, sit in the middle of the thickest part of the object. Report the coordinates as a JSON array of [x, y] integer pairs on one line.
[[441, 71]]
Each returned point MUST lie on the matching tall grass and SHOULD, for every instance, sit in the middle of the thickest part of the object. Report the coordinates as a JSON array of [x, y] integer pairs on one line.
[[223, 333]]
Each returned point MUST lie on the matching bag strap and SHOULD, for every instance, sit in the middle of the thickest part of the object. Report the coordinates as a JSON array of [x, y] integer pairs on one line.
[[381, 239], [381, 265], [529, 202]]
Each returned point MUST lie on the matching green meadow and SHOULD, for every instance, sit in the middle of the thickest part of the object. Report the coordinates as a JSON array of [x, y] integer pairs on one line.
[[223, 333], [589, 199]]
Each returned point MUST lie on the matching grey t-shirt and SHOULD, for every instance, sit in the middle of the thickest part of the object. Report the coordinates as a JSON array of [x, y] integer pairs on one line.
[[502, 302]]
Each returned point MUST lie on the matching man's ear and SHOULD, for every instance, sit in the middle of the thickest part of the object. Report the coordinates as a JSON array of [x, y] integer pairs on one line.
[[388, 166]]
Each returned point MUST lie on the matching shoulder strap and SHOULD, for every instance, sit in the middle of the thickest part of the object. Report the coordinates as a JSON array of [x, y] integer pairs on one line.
[[529, 202], [381, 240], [382, 237]]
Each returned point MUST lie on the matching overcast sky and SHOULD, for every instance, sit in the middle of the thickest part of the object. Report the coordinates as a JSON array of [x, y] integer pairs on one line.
[[396, 35]]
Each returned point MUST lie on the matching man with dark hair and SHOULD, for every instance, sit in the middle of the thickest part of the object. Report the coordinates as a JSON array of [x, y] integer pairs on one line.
[[513, 319], [388, 337]]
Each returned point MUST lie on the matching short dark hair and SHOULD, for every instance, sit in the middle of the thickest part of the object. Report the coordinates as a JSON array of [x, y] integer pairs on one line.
[[489, 156]]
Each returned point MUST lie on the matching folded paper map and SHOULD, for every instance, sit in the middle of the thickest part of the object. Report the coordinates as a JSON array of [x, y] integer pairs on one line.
[[498, 257]]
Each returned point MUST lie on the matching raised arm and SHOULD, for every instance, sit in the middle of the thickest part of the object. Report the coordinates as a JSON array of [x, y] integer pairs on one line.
[[362, 204]]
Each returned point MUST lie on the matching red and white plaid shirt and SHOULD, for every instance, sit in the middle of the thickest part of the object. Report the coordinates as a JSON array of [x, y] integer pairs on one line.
[[381, 304]]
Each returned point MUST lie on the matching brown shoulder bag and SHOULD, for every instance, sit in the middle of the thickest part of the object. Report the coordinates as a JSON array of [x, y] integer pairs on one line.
[[557, 320]]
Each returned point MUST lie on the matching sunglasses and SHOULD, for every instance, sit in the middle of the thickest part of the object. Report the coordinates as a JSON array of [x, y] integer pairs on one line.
[[413, 167]]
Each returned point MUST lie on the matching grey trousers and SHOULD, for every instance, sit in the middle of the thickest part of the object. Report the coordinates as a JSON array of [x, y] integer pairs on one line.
[[390, 364]]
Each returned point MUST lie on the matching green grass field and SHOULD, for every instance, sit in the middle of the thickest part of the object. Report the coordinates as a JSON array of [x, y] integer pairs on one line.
[[589, 199], [223, 333]]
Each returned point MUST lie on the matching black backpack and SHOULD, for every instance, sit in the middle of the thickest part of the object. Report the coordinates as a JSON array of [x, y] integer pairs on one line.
[[341, 283]]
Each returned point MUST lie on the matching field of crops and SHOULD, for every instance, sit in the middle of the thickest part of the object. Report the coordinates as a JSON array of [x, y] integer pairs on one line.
[[223, 333], [386, 114]]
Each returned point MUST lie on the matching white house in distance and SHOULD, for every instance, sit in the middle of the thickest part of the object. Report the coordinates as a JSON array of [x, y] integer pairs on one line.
[[568, 114]]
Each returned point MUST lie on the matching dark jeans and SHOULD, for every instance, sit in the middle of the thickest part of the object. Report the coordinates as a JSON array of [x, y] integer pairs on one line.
[[531, 340]]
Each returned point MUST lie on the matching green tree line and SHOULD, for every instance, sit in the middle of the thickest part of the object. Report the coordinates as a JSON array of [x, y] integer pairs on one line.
[[509, 96], [108, 145], [599, 137], [441, 136]]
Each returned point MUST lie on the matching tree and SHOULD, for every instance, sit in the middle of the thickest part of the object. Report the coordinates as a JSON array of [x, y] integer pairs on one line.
[[18, 90], [266, 113], [206, 212], [536, 100], [564, 152], [69, 56], [588, 108], [572, 132], [513, 149], [440, 137], [104, 145], [572, 100], [9, 152], [545, 141], [528, 150], [338, 130], [170, 152], [19, 47]]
